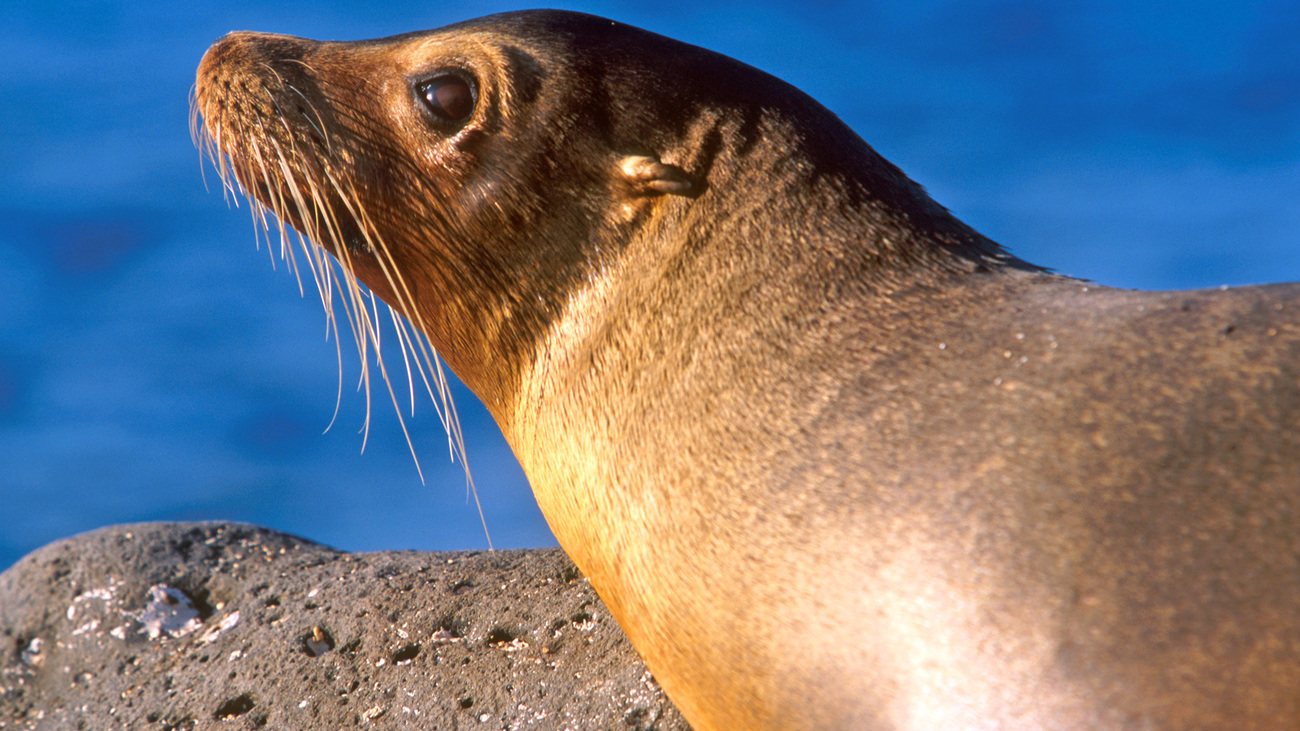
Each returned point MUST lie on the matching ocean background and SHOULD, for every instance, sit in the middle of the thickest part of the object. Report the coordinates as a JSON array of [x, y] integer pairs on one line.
[[154, 365]]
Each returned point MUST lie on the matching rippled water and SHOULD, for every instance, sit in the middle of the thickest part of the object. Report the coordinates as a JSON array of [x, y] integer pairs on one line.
[[153, 365]]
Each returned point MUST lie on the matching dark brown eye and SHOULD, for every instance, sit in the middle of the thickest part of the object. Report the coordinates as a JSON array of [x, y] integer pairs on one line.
[[448, 97]]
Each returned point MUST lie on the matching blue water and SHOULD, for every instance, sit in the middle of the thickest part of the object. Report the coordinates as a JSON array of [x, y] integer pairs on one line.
[[153, 365]]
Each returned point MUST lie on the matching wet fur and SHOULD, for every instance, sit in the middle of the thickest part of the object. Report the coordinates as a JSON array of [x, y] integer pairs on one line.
[[832, 458]]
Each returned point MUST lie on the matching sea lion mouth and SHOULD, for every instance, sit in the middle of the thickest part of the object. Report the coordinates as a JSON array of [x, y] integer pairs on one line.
[[272, 142], [325, 217]]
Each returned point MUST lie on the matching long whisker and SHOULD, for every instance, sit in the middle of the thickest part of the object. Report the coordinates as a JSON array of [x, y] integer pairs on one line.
[[397, 284], [296, 181]]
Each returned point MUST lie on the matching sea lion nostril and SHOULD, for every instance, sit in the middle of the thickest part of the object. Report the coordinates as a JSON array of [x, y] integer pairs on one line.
[[449, 97]]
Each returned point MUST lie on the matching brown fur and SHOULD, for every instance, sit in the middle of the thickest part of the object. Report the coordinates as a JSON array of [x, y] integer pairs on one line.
[[833, 459]]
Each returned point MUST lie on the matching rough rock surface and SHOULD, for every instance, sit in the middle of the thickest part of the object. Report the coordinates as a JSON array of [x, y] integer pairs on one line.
[[227, 626]]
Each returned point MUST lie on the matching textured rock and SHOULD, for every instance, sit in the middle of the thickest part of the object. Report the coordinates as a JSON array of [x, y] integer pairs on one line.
[[218, 625]]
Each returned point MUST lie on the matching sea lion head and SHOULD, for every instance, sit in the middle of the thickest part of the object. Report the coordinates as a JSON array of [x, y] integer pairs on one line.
[[478, 176]]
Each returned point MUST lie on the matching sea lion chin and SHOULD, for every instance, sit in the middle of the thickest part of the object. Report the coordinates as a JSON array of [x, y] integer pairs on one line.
[[832, 458]]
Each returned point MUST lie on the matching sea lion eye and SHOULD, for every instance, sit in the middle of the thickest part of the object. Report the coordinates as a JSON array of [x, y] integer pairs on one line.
[[448, 97]]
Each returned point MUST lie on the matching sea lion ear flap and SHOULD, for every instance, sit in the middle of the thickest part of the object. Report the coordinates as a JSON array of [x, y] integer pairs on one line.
[[647, 176]]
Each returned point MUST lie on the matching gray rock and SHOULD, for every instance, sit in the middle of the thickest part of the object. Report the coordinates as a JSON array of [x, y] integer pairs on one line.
[[219, 625]]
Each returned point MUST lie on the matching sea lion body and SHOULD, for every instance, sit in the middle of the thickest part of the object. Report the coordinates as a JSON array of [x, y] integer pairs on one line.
[[832, 458]]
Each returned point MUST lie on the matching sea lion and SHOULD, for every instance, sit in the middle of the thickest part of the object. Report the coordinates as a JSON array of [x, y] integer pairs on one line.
[[832, 458]]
